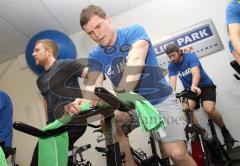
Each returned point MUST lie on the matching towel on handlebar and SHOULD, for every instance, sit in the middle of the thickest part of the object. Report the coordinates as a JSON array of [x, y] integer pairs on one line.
[[53, 151], [3, 161], [149, 118]]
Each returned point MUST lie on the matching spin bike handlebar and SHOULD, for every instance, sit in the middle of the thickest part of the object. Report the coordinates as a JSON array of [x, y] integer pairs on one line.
[[185, 93], [102, 93], [25, 128]]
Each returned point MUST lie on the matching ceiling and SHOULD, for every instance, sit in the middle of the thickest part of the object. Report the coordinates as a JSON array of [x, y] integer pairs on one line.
[[21, 19]]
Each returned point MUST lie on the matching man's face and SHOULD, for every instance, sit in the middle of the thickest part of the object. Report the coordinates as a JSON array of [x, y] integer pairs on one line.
[[40, 54], [175, 57], [100, 30]]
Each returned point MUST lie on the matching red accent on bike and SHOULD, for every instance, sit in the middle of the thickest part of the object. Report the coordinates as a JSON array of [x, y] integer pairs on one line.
[[197, 154]]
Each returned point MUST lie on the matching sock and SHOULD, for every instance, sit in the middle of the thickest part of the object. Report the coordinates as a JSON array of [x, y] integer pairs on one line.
[[224, 129]]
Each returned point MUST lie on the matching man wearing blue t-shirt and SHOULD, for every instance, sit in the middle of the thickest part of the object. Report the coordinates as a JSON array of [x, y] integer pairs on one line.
[[233, 25], [6, 113], [126, 56], [188, 68]]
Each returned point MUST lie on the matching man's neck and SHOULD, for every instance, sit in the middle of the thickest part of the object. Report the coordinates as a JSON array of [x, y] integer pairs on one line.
[[49, 64], [114, 38]]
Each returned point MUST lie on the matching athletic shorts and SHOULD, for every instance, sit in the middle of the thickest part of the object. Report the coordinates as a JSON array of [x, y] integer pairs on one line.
[[208, 93], [170, 109]]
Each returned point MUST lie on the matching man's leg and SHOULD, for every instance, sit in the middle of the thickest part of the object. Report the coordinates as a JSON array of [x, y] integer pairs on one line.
[[74, 133], [123, 142], [125, 146], [174, 141], [209, 108], [192, 106], [177, 152]]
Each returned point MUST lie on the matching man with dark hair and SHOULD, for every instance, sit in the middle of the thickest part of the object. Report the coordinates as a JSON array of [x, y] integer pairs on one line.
[[126, 56], [188, 68], [59, 86]]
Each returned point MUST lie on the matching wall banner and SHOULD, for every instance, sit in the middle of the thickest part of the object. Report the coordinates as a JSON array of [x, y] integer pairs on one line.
[[201, 38]]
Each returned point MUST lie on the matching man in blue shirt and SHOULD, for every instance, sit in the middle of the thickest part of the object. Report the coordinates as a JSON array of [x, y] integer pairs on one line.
[[126, 56], [6, 113], [233, 25], [188, 68]]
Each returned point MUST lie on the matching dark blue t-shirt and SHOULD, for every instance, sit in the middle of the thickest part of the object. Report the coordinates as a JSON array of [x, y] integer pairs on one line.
[[183, 70], [6, 113], [59, 86], [111, 61]]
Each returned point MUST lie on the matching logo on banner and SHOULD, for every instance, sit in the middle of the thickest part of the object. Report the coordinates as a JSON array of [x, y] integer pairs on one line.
[[201, 39]]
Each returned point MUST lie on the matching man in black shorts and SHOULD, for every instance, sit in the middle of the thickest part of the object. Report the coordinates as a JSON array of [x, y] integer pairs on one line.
[[59, 86], [193, 77]]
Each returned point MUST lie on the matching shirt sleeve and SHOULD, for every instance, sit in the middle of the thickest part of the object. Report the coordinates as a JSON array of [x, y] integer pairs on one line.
[[193, 60], [171, 71], [233, 12], [94, 65], [135, 33]]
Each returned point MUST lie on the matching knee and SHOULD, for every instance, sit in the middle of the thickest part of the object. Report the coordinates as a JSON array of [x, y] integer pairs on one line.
[[209, 110], [178, 154]]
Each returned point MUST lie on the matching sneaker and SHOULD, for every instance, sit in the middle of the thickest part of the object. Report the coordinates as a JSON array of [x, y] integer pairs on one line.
[[228, 139]]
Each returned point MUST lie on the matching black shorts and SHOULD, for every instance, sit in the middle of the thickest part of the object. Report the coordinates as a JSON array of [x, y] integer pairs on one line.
[[208, 93]]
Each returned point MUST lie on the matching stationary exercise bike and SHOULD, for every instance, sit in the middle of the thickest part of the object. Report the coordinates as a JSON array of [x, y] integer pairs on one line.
[[113, 149], [76, 152], [139, 156], [9, 152], [195, 134], [206, 151]]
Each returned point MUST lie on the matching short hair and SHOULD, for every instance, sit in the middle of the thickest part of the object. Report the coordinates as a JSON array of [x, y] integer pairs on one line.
[[49, 44], [172, 47], [89, 12]]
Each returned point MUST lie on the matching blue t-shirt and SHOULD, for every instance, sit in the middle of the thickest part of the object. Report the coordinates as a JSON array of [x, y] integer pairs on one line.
[[183, 71], [111, 61], [6, 112], [233, 12]]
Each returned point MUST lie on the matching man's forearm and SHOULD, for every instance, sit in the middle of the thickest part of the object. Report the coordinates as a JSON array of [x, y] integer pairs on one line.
[[134, 65], [131, 77], [195, 80], [195, 76]]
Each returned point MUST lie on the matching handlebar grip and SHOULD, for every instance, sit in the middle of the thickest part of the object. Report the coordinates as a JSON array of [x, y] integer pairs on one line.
[[185, 93], [28, 129], [37, 132]]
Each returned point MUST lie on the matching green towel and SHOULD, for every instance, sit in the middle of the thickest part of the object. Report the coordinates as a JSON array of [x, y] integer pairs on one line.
[[53, 151], [149, 118], [3, 161]]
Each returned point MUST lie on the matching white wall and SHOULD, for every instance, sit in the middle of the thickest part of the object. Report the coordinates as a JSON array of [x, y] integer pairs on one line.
[[160, 18]]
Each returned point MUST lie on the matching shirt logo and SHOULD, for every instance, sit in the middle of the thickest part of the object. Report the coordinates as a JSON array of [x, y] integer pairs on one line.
[[111, 71], [183, 73]]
